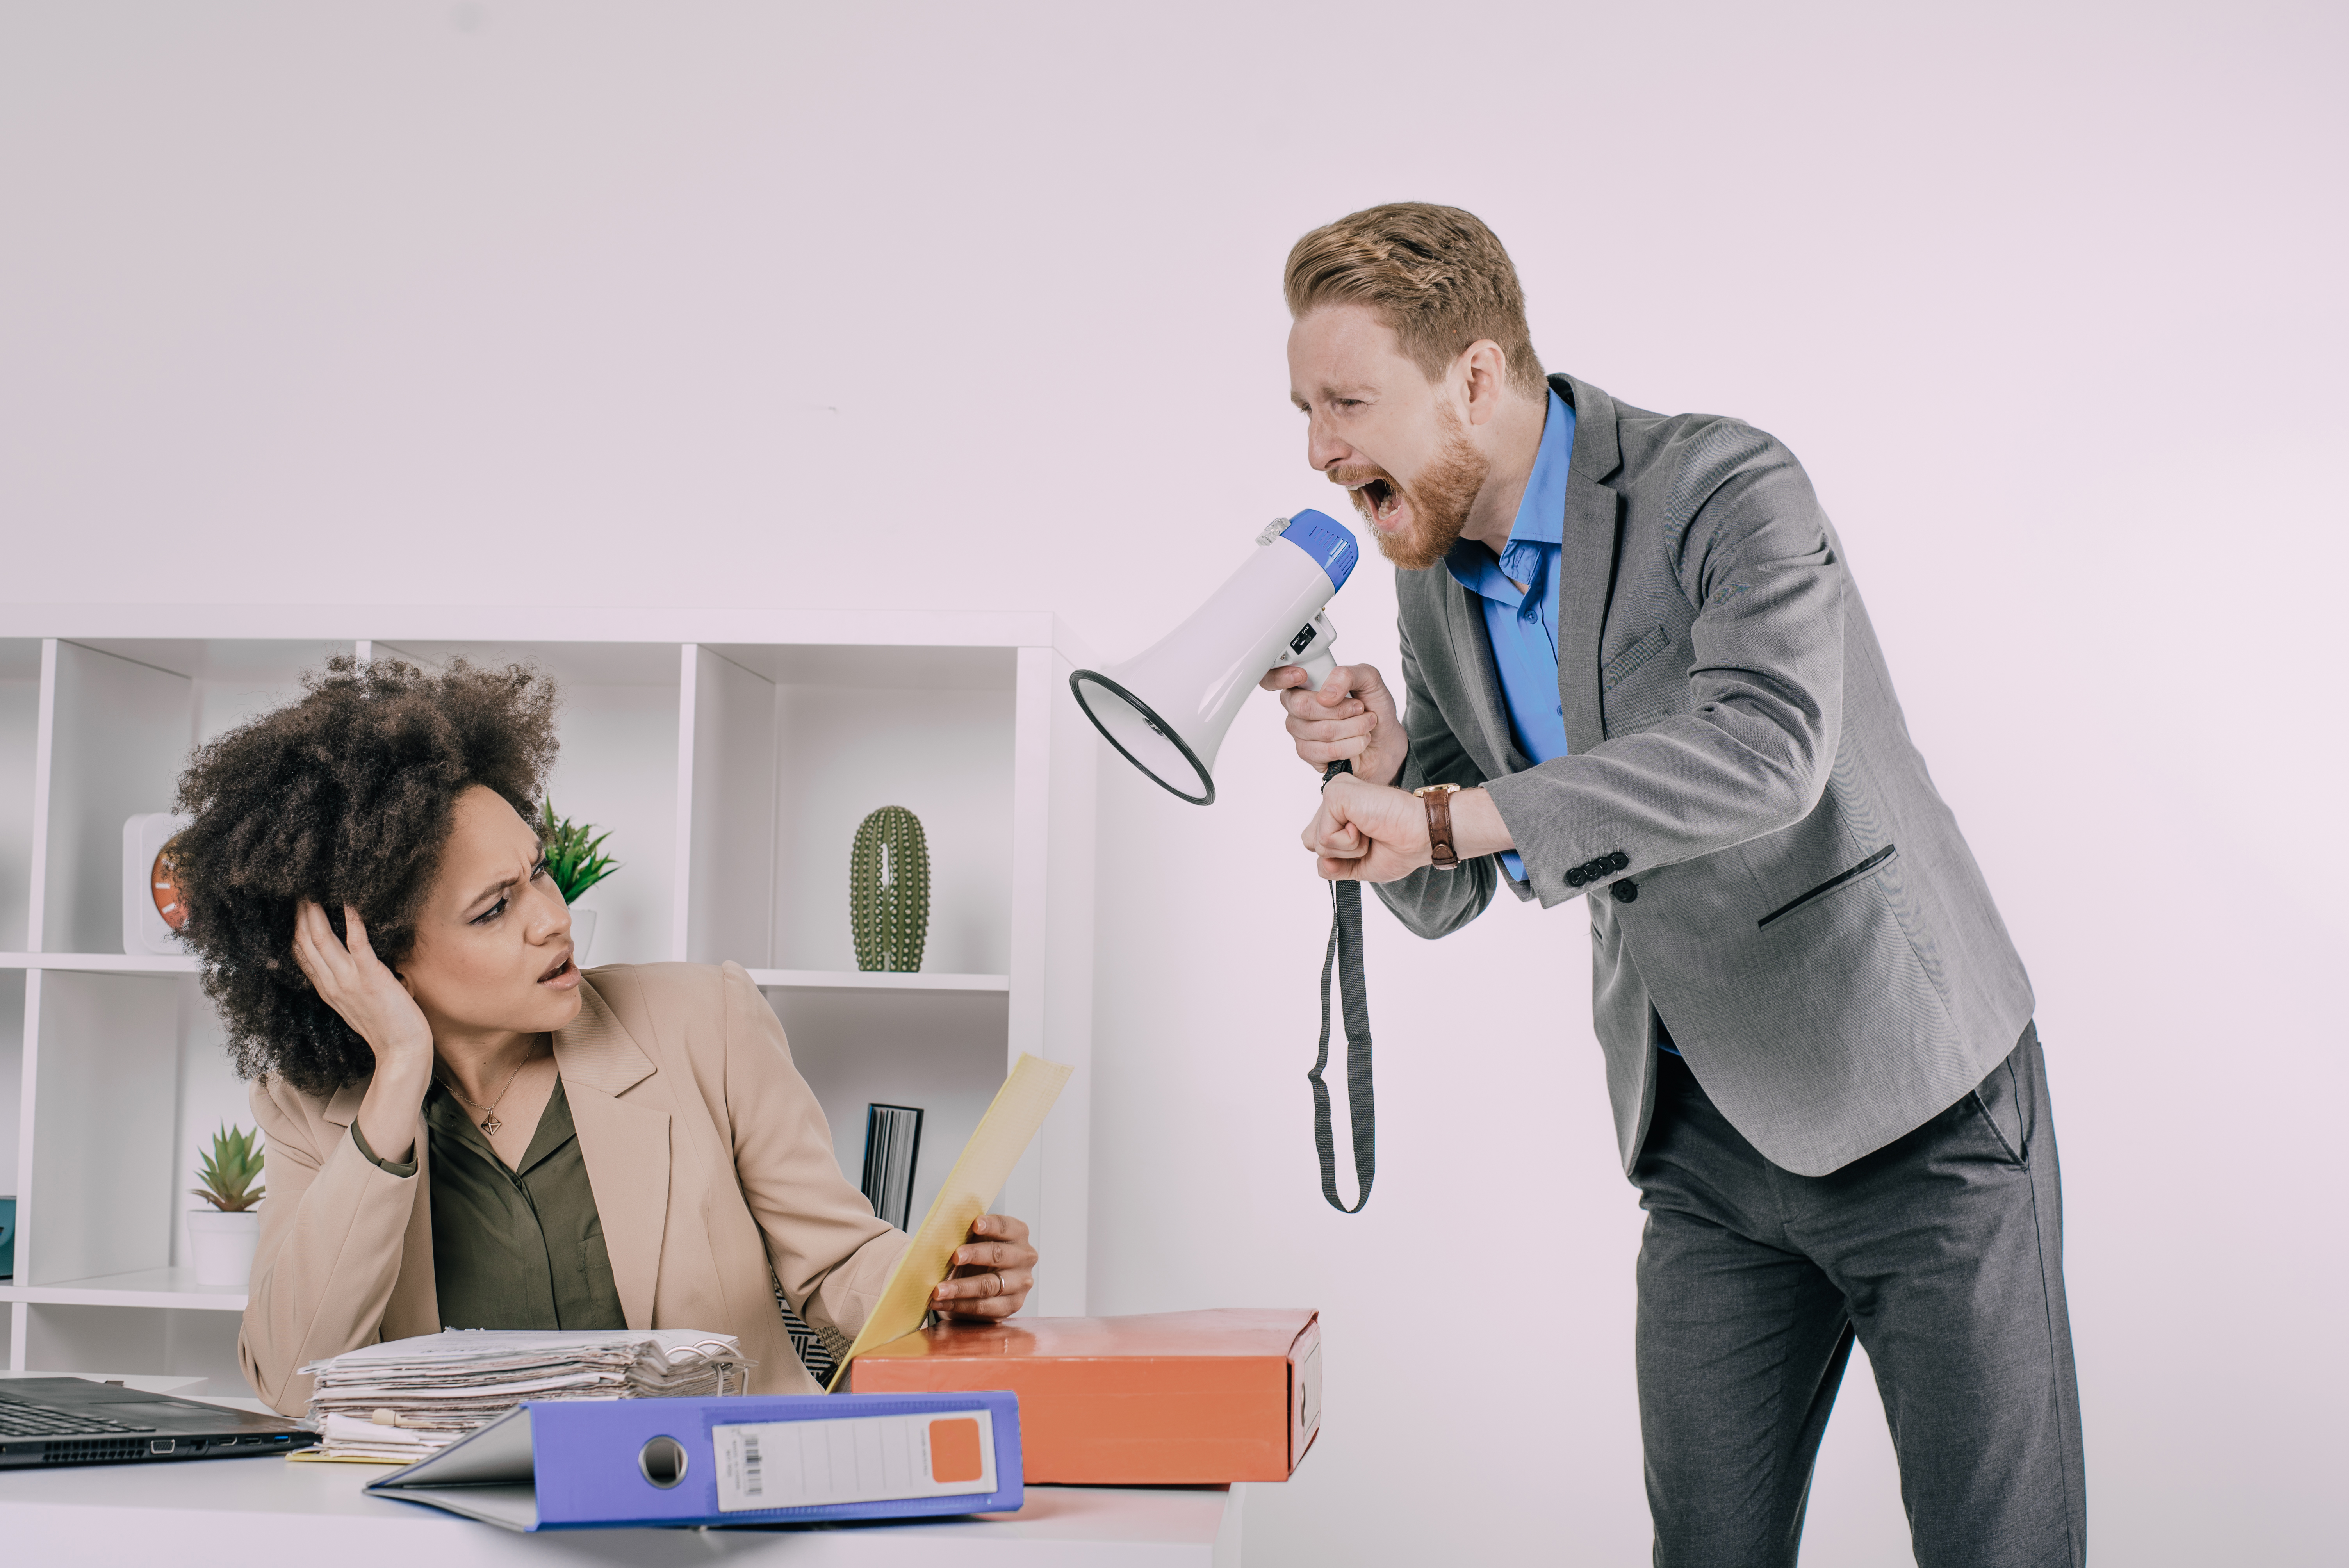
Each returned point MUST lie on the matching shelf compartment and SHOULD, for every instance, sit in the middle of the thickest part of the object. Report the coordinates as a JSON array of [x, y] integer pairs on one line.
[[20, 710], [941, 1050], [166, 1287], [869, 980], [103, 1064]]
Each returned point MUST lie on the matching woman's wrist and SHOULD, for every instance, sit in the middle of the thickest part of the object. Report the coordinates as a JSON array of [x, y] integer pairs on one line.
[[395, 1096]]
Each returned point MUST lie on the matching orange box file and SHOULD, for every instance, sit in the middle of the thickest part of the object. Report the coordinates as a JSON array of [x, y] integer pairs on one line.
[[1161, 1399]]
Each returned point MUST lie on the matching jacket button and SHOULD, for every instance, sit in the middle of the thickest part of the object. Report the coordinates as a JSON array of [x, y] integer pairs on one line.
[[1618, 862], [1575, 877], [1626, 891]]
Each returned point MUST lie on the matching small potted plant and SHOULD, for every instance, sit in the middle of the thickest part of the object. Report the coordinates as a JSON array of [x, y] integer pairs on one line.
[[574, 858], [223, 1237]]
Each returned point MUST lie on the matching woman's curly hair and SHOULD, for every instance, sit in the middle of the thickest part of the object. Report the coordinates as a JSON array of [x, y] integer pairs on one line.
[[348, 796]]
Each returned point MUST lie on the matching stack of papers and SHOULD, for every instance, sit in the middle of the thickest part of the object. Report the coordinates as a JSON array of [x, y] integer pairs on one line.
[[400, 1400]]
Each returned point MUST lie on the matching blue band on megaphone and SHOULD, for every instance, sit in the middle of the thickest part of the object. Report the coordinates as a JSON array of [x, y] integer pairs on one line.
[[1329, 542]]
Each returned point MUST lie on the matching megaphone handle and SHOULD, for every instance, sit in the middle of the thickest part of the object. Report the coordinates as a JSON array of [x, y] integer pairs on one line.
[[1344, 960]]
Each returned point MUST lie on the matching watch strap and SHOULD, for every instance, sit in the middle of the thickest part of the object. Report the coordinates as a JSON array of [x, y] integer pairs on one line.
[[1440, 851]]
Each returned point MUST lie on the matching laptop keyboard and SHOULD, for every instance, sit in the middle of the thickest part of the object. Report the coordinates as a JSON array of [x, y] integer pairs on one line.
[[18, 1419]]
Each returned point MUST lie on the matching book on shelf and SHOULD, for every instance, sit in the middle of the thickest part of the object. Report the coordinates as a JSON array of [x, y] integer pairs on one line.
[[893, 1142]]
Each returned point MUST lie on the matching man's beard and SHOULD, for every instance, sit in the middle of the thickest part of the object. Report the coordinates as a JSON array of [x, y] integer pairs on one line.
[[1439, 498]]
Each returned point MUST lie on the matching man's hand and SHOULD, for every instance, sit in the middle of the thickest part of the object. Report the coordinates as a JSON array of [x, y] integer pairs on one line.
[[1368, 832], [994, 1271], [1352, 717]]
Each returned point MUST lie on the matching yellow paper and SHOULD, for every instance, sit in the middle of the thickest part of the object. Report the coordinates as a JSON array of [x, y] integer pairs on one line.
[[1003, 1136]]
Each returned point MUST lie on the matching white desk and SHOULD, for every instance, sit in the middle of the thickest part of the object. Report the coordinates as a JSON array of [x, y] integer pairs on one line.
[[233, 1514]]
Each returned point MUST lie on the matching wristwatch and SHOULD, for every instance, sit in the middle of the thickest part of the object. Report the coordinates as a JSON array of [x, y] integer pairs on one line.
[[1439, 823]]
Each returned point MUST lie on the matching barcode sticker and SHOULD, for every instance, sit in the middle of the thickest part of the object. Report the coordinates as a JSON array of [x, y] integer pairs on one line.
[[859, 1459]]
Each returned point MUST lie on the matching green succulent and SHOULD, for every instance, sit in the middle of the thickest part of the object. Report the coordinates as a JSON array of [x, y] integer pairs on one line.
[[889, 891], [571, 857], [230, 1170]]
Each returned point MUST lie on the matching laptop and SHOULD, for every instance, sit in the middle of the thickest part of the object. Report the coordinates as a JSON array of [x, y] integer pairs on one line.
[[75, 1421]]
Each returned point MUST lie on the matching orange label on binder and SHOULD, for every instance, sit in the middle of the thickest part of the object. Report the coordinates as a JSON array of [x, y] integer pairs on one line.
[[954, 1450]]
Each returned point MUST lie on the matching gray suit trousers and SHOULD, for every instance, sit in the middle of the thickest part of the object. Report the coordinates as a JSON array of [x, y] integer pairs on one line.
[[1942, 1250]]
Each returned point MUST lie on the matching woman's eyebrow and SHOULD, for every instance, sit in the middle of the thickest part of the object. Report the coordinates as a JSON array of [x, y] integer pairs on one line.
[[493, 888]]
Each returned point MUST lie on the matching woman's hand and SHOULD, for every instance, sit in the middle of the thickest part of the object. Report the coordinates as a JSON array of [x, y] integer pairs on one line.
[[354, 982], [994, 1271]]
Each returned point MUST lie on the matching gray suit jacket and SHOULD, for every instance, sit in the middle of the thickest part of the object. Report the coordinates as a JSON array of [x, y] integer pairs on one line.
[[1768, 867]]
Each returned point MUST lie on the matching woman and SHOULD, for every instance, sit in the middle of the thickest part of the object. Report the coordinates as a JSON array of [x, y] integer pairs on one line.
[[464, 1130]]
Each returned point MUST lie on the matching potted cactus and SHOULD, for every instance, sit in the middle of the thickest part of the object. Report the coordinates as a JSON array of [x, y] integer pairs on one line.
[[889, 891], [574, 858], [223, 1236]]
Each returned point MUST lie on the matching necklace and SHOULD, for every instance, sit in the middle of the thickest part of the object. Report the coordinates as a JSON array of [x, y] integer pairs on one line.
[[489, 1122]]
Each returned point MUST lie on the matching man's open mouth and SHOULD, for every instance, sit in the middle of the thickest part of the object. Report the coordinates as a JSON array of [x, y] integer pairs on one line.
[[1378, 498]]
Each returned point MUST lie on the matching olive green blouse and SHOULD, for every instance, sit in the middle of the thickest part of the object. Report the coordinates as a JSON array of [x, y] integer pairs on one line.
[[512, 1249]]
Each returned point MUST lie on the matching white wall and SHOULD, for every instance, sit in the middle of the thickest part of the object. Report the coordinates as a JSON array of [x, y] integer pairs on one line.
[[977, 306]]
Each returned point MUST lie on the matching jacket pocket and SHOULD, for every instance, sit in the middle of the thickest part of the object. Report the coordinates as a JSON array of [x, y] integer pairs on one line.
[[1619, 669], [1828, 886]]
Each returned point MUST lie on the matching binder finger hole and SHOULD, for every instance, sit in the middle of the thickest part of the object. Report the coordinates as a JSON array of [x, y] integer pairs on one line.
[[663, 1461]]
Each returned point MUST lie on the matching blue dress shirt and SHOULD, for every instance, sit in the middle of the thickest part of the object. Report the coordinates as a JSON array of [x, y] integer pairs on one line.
[[1523, 622]]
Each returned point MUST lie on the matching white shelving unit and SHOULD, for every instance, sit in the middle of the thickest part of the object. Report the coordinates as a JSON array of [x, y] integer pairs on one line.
[[731, 754]]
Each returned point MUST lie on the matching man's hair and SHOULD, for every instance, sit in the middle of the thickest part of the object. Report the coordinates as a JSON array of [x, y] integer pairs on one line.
[[1436, 275]]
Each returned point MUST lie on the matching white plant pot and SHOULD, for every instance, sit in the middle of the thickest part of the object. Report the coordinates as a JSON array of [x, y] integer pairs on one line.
[[583, 934], [224, 1246]]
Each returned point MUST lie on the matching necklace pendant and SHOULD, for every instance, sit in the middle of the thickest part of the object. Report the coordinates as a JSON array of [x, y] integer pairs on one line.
[[490, 1124]]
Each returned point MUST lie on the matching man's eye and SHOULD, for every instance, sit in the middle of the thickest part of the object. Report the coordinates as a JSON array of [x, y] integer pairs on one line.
[[490, 914]]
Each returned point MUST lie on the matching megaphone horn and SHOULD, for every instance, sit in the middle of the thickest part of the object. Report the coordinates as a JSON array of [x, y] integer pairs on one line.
[[1166, 709]]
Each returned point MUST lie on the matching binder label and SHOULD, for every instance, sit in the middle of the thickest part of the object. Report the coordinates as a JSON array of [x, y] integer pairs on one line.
[[862, 1458]]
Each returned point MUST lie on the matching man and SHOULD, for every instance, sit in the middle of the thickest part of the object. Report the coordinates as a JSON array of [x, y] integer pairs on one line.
[[1637, 670]]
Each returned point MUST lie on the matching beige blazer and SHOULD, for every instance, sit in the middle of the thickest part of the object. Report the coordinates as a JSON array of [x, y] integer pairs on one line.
[[709, 1159]]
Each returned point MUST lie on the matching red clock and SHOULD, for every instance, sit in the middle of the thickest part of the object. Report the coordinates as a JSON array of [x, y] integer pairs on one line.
[[165, 884]]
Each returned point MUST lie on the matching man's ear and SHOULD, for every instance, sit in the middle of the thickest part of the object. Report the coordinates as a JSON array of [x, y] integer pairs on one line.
[[1484, 369]]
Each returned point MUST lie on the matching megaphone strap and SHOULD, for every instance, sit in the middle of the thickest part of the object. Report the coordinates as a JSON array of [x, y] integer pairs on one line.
[[1345, 961]]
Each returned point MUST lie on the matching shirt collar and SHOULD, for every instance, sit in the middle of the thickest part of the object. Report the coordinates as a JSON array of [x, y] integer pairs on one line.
[[1541, 512]]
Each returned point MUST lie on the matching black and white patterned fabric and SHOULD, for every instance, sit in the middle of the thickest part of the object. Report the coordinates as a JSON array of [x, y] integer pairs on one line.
[[817, 1351]]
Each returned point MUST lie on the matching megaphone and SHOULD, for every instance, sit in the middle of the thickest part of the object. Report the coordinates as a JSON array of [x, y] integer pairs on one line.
[[1166, 709]]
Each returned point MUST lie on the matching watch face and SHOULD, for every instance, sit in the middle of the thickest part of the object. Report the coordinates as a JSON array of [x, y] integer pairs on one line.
[[165, 883]]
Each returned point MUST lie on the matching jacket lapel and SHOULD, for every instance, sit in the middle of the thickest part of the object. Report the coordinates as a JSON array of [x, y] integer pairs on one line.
[[1586, 560], [625, 1145]]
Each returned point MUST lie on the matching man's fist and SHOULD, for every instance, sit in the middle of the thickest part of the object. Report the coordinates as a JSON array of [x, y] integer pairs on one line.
[[1367, 832], [1351, 717]]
